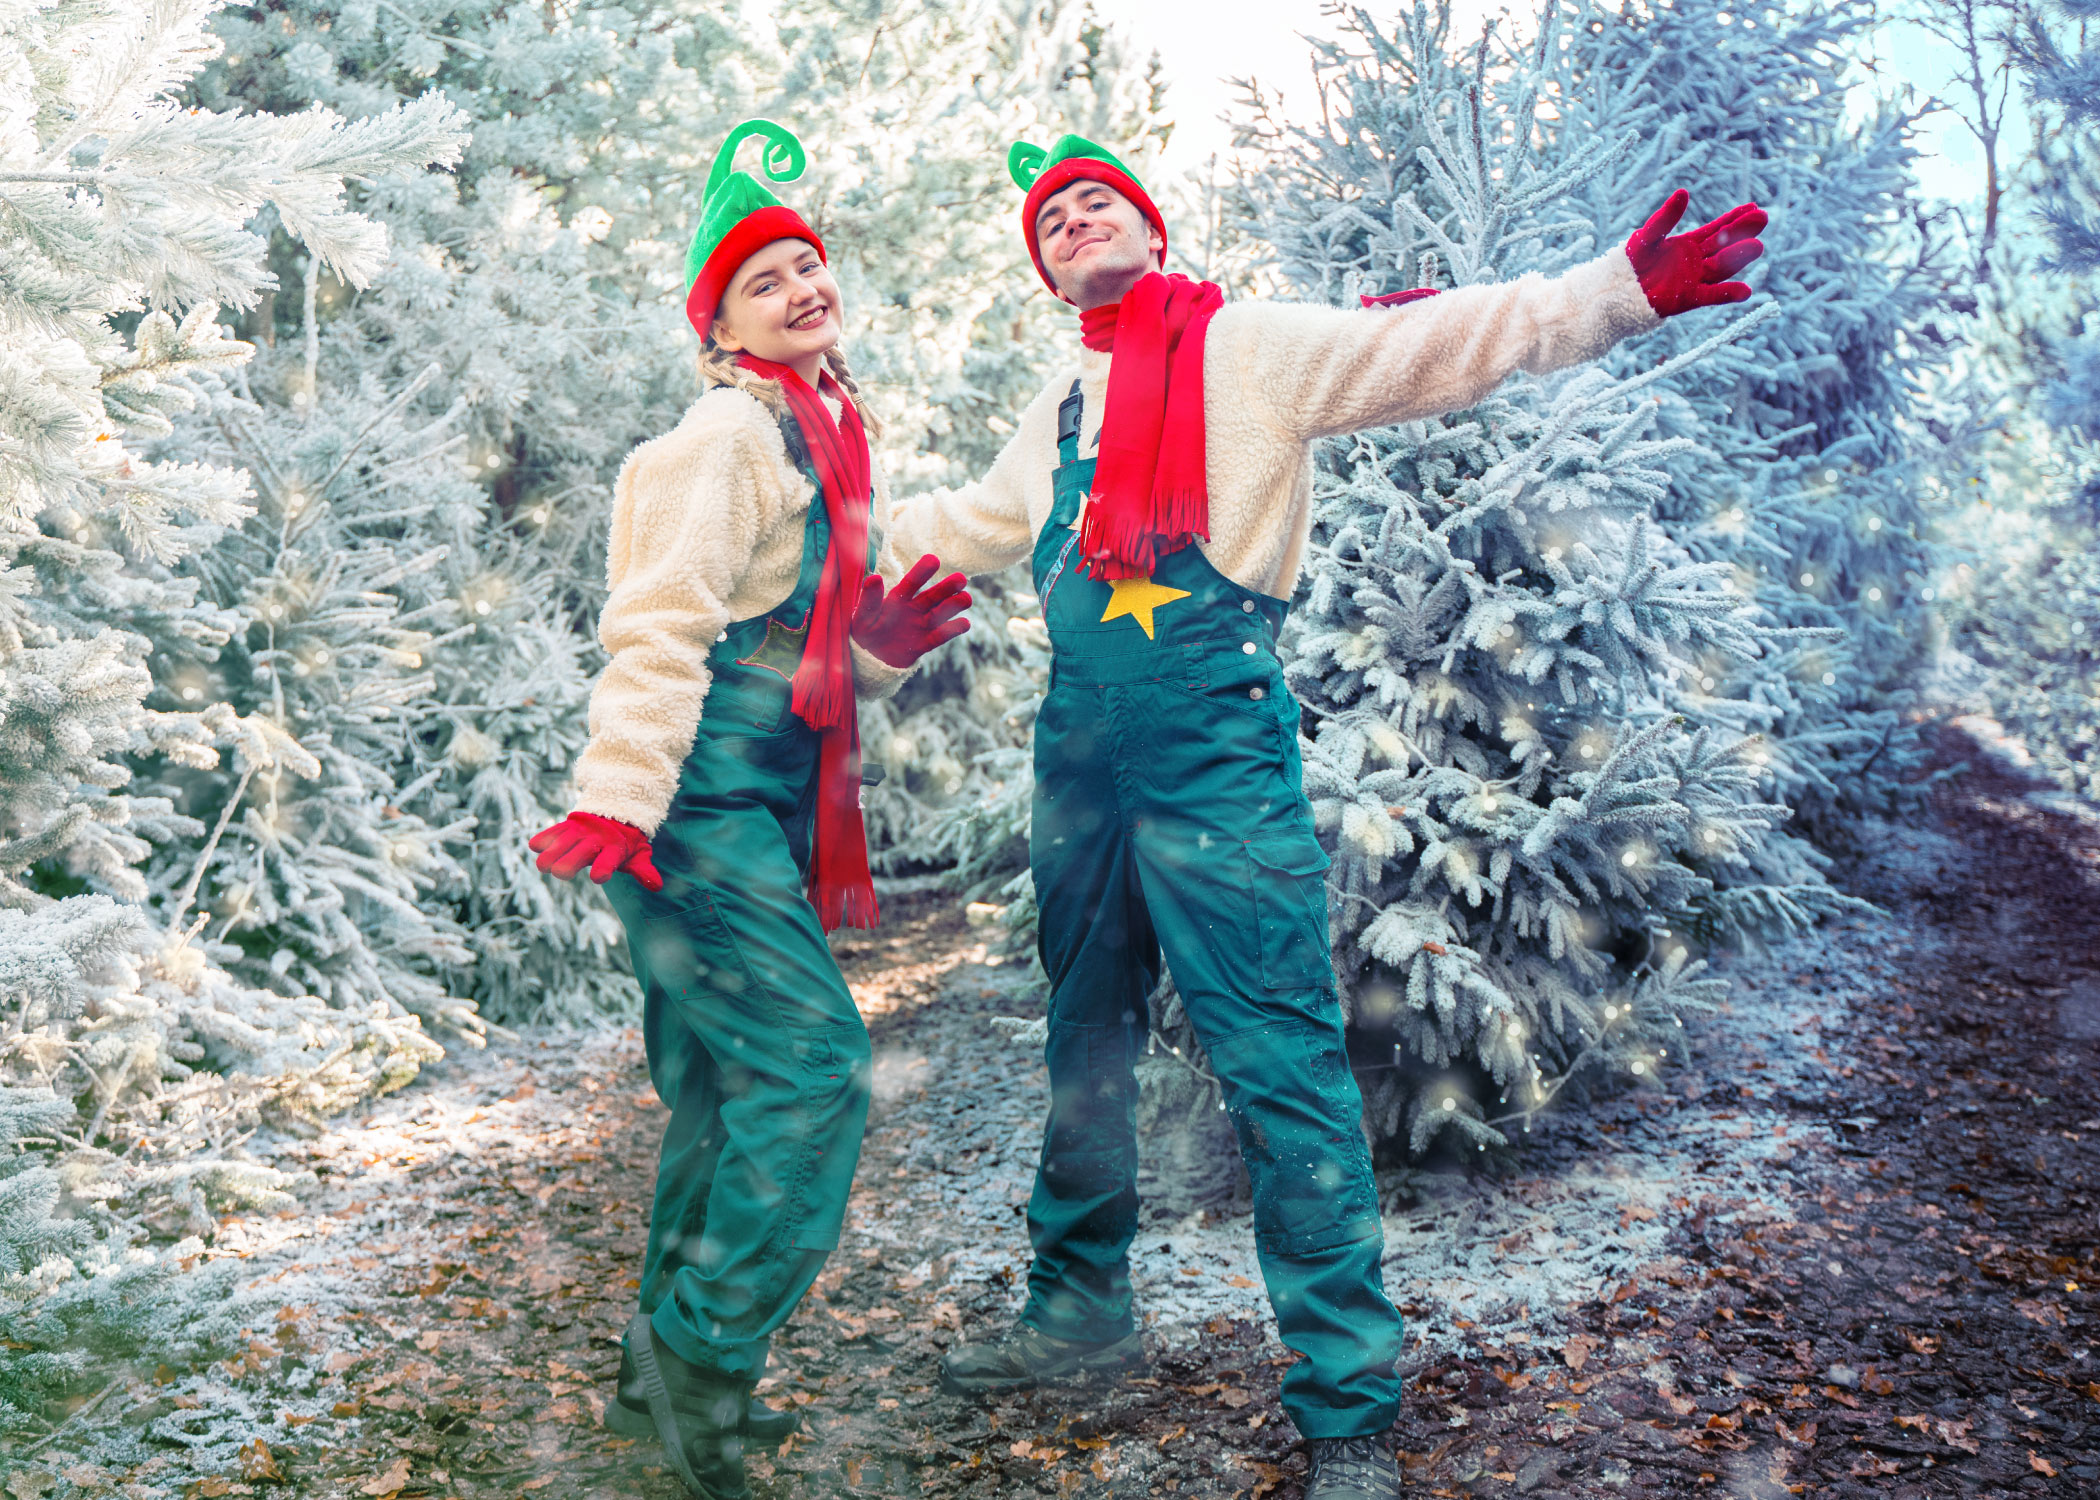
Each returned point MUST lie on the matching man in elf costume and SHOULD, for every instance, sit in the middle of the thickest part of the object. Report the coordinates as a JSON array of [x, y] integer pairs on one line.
[[1164, 492], [720, 798]]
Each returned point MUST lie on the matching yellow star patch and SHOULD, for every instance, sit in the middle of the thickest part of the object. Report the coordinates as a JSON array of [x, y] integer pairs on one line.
[[1137, 598], [781, 651]]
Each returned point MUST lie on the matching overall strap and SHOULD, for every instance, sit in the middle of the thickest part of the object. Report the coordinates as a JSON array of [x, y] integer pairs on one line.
[[1069, 413], [816, 531]]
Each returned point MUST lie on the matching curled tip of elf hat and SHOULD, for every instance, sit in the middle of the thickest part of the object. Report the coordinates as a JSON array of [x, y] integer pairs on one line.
[[739, 216], [1040, 173]]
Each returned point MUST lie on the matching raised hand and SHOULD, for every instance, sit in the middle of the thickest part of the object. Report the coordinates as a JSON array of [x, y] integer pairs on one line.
[[605, 844], [901, 625], [1684, 271]]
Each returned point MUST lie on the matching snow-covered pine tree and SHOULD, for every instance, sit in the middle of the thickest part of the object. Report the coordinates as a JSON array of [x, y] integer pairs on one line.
[[320, 882], [2025, 503], [1497, 646], [1813, 443], [542, 285], [122, 227], [527, 323]]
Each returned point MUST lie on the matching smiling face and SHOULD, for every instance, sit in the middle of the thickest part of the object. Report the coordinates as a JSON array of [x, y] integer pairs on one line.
[[781, 305], [1095, 243]]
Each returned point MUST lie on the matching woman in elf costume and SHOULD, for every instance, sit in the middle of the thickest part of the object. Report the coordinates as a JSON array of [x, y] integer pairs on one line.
[[1163, 489], [719, 802]]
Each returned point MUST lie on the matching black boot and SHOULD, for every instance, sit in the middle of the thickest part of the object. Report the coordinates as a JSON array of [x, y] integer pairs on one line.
[[765, 1427], [697, 1413], [1361, 1468], [1022, 1358]]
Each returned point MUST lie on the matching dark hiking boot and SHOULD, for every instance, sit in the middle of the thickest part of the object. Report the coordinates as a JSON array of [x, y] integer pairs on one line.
[[627, 1413], [698, 1415], [1360, 1468], [1022, 1358]]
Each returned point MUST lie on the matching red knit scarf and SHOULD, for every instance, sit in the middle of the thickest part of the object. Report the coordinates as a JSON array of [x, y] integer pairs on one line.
[[1150, 495], [838, 884]]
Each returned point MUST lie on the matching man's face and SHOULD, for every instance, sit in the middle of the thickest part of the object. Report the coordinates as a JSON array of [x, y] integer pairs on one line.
[[1095, 242]]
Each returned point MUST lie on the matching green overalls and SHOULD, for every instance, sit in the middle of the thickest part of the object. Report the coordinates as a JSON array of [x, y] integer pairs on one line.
[[1169, 814], [753, 1039]]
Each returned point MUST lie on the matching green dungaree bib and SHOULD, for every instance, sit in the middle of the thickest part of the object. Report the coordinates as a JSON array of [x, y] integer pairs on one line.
[[1169, 814], [753, 1039]]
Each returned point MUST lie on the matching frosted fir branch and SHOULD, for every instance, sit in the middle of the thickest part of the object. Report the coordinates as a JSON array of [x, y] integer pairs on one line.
[[122, 61], [297, 164]]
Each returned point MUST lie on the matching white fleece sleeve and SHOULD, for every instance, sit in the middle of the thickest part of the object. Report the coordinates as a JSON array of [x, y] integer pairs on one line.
[[872, 676], [687, 516], [1313, 372], [983, 527]]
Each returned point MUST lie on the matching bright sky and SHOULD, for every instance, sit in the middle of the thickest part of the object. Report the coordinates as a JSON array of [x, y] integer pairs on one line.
[[1204, 42]]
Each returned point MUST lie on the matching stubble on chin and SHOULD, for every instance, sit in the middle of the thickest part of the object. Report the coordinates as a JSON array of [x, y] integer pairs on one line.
[[1101, 281]]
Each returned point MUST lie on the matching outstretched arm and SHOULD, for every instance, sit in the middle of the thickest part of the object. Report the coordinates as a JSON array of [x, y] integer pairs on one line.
[[1315, 372], [983, 527]]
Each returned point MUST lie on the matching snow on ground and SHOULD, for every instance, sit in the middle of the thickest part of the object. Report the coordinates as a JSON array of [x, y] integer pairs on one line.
[[1481, 1256], [1584, 1208]]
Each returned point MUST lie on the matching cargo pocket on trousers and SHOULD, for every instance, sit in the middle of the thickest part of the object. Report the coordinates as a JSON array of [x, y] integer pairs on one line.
[[689, 952], [834, 1110], [1299, 1118], [1286, 872]]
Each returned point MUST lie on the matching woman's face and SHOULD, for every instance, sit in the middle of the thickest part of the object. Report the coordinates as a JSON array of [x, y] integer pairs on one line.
[[781, 305]]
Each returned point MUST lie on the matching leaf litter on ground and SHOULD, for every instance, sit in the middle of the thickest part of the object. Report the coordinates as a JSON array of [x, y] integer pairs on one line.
[[1837, 1246]]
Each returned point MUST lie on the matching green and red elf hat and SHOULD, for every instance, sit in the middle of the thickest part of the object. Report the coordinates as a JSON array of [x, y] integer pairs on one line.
[[1039, 173], [738, 217]]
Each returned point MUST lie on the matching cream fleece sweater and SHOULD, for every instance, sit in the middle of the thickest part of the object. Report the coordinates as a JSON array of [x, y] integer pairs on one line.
[[1277, 376], [707, 528]]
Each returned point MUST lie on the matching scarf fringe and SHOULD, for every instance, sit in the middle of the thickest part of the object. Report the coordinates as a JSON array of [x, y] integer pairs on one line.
[[848, 906], [819, 699], [1181, 515]]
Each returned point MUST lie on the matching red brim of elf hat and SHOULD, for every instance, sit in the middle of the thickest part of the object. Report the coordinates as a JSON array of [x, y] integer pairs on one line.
[[750, 235], [1083, 169]]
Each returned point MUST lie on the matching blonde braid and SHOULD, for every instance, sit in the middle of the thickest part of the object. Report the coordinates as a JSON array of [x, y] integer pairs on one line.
[[718, 366], [835, 361]]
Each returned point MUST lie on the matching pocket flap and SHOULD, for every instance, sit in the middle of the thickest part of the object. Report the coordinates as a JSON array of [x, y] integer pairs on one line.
[[1293, 853]]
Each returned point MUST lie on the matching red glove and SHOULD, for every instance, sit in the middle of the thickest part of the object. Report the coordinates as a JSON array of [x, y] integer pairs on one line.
[[605, 844], [1684, 271], [910, 620]]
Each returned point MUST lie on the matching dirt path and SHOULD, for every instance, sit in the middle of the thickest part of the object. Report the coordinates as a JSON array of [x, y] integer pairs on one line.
[[1848, 1249]]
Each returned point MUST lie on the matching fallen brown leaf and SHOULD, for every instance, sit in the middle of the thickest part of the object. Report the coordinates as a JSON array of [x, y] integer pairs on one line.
[[393, 1481], [1168, 1437], [257, 1462], [2039, 1464], [1956, 1435], [1576, 1351]]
